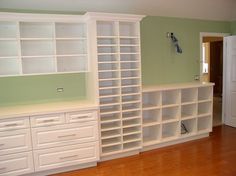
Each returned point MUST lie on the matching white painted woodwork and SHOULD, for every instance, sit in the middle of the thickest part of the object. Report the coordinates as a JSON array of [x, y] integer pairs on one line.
[[16, 164], [66, 156], [60, 135], [166, 107], [15, 141], [73, 117], [14, 123], [230, 81], [47, 120]]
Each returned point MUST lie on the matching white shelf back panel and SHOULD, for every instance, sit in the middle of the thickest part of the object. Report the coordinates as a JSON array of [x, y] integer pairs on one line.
[[9, 66], [71, 47], [8, 48], [8, 29], [70, 30], [38, 65], [37, 48], [72, 64], [36, 30]]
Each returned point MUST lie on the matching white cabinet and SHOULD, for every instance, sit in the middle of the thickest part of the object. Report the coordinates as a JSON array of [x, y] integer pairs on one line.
[[15, 147], [16, 164], [33, 44], [66, 156], [173, 112], [117, 51]]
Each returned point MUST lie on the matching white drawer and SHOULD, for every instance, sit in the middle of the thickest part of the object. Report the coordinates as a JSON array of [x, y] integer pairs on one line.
[[16, 164], [81, 116], [47, 120], [59, 135], [66, 156], [15, 141], [14, 123]]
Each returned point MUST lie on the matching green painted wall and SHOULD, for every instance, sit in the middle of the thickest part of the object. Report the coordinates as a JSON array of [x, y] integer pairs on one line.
[[160, 63], [233, 27], [40, 89]]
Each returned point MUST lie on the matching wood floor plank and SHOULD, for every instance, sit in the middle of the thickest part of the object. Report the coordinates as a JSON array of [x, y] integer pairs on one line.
[[212, 156]]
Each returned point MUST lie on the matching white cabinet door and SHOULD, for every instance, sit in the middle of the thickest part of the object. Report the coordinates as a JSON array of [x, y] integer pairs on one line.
[[15, 141], [16, 164], [60, 135], [66, 156], [230, 81]]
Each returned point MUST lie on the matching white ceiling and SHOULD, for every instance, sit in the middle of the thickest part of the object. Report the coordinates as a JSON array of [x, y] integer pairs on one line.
[[199, 9]]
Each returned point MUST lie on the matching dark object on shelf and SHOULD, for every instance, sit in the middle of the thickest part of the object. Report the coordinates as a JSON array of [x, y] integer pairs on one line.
[[174, 41], [184, 130]]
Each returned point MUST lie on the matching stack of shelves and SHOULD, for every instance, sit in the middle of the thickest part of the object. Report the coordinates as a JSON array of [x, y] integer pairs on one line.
[[175, 113], [118, 53], [42, 48]]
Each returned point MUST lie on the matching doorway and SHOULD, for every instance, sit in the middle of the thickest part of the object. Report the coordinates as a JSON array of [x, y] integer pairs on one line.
[[212, 69]]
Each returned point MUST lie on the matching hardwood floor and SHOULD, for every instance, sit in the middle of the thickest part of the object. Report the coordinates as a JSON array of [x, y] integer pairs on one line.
[[213, 156]]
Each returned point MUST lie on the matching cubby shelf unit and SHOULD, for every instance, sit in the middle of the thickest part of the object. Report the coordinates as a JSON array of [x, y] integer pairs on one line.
[[30, 46], [119, 82], [174, 112]]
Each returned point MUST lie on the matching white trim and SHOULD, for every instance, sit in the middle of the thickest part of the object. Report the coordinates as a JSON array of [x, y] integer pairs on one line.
[[213, 34]]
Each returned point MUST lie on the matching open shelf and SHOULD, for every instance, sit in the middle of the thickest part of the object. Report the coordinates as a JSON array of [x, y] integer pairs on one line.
[[129, 57], [37, 48], [109, 92], [72, 64], [8, 30], [68, 47], [151, 99], [130, 90], [170, 114], [204, 108], [106, 28], [132, 145], [128, 29], [70, 30], [111, 149], [129, 41], [9, 66], [188, 127], [131, 122], [127, 82], [111, 83], [107, 41], [36, 30], [130, 98], [170, 97], [38, 65], [107, 66], [129, 49], [8, 48], [131, 130], [151, 117], [107, 58], [170, 130], [110, 125], [188, 95], [109, 100], [130, 115], [130, 65], [188, 111], [132, 137], [107, 49], [110, 133], [130, 107], [110, 117], [111, 141], [130, 73], [151, 135], [204, 124], [205, 93], [109, 109]]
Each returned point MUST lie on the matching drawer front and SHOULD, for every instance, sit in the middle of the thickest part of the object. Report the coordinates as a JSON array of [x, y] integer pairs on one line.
[[66, 156], [14, 123], [15, 141], [16, 164], [73, 117], [47, 120], [64, 134]]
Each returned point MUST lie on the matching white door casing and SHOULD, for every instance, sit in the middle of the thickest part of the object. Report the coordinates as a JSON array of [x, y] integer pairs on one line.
[[230, 81]]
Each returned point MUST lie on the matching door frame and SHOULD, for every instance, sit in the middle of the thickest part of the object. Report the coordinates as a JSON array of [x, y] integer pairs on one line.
[[214, 34]]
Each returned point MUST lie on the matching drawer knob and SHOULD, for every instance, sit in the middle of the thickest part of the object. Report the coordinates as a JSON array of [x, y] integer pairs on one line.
[[70, 135], [68, 157]]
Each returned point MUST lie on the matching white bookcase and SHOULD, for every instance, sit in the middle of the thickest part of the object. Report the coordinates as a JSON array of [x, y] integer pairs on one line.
[[119, 75], [171, 113], [32, 45]]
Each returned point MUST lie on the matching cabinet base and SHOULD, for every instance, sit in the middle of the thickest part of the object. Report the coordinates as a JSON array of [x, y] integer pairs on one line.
[[177, 141], [61, 170]]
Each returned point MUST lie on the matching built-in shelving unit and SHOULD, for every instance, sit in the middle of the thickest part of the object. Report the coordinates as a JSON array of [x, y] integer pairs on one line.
[[175, 112], [119, 83], [29, 47]]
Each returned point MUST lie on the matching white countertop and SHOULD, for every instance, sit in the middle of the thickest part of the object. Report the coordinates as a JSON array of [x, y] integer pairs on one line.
[[45, 108], [150, 88]]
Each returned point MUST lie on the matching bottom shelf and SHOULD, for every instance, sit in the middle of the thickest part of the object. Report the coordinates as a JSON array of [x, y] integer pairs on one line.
[[204, 124], [151, 134], [111, 149], [188, 127]]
